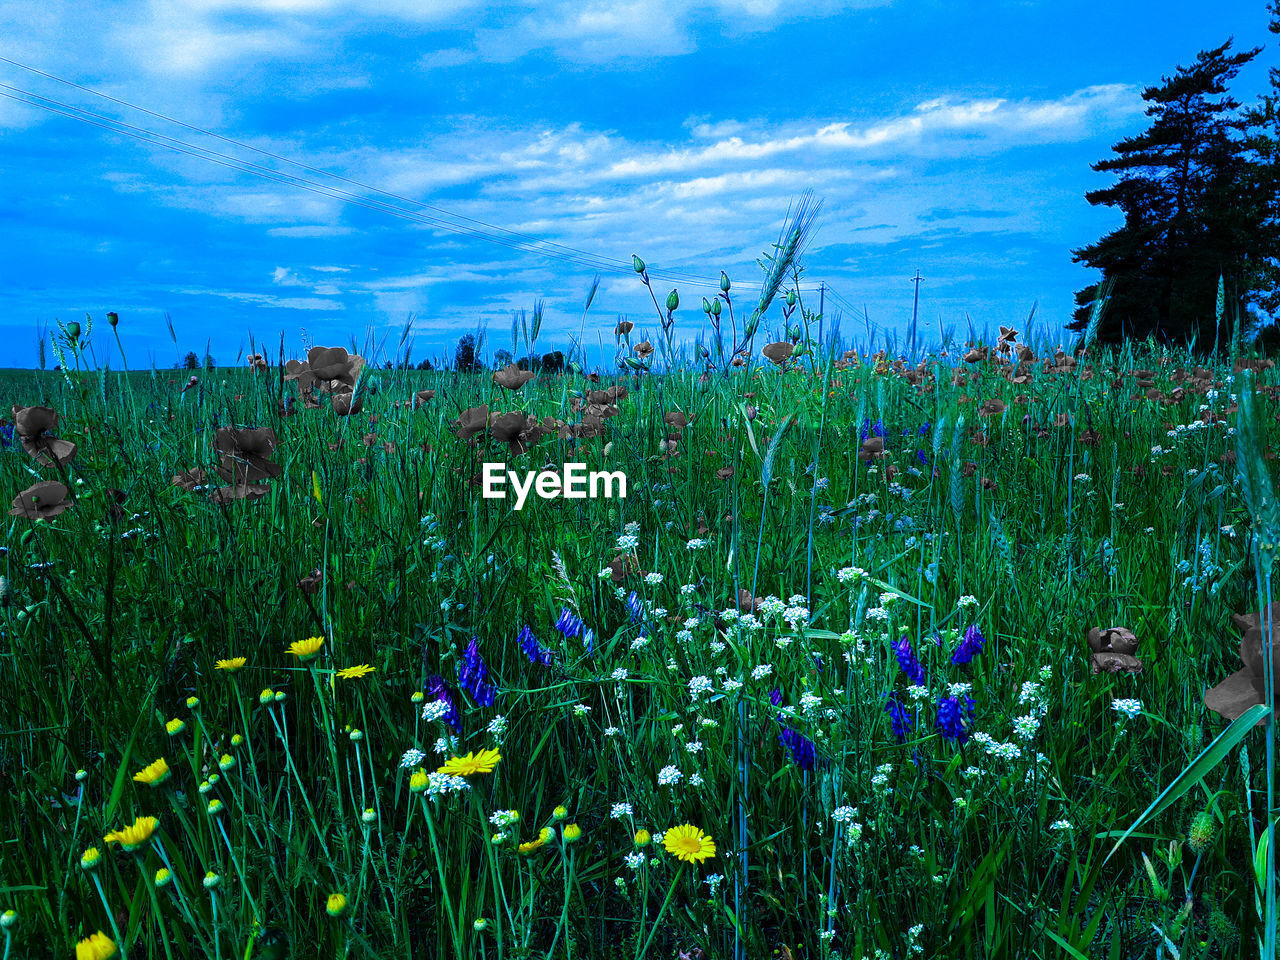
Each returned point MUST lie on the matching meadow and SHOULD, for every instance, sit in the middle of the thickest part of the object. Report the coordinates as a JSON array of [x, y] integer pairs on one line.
[[277, 680]]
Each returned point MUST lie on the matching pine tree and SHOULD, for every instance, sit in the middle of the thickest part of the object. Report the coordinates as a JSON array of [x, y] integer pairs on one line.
[[1191, 212], [1265, 143]]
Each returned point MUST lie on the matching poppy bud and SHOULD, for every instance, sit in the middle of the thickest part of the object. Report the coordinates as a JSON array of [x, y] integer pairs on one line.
[[73, 330], [637, 264], [113, 318], [724, 281], [673, 301], [715, 308], [791, 298], [706, 305]]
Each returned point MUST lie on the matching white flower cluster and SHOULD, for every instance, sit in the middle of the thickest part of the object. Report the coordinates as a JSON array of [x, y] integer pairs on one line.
[[669, 776], [698, 686], [1127, 708], [497, 728], [845, 814], [412, 757], [851, 575], [504, 818], [628, 542], [653, 579], [762, 671], [620, 810], [442, 784], [435, 710]]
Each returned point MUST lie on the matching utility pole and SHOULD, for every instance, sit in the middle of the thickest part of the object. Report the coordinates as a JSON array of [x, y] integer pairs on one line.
[[914, 307]]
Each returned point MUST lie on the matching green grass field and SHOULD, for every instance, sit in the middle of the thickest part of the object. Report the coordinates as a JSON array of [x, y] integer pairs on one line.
[[955, 796]]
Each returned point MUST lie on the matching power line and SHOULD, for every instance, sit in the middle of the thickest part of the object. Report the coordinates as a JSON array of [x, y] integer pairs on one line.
[[579, 257]]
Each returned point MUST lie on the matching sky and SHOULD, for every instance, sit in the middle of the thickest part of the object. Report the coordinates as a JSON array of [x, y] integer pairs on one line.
[[953, 139]]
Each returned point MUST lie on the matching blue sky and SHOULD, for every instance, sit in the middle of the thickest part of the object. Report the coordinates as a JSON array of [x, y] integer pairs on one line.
[[950, 137]]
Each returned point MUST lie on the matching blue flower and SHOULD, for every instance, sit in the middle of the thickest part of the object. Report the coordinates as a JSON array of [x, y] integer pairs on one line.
[[529, 644], [953, 722], [870, 429], [6, 435], [474, 676], [569, 623], [920, 455], [899, 715], [437, 689], [970, 646], [635, 607], [908, 662], [803, 752]]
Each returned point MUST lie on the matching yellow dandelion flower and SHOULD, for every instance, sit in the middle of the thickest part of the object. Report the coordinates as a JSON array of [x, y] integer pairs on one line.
[[336, 905], [90, 858], [532, 846], [642, 838], [135, 836], [175, 726], [97, 946], [307, 649], [572, 832], [355, 673], [163, 876], [153, 774], [418, 781], [231, 665], [480, 762], [687, 842], [266, 696], [559, 813], [545, 834]]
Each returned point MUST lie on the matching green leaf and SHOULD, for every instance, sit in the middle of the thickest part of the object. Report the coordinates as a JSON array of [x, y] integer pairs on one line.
[[1068, 948], [117, 787], [1199, 768]]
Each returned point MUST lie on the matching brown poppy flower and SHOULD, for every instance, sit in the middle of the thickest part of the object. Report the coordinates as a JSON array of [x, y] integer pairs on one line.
[[872, 449], [747, 603], [512, 429], [676, 419], [311, 582], [473, 420], [41, 501], [1114, 663], [623, 328], [968, 469], [1247, 687], [240, 491], [752, 412], [512, 377], [345, 403], [1008, 334], [988, 483], [423, 397], [388, 446], [330, 364], [257, 362], [1062, 420], [644, 349], [980, 439], [189, 480], [724, 473], [244, 453], [32, 425], [1090, 438], [777, 353], [991, 408]]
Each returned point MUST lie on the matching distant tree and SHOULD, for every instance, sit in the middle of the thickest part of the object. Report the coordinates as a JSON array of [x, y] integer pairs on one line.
[[191, 361], [553, 362], [209, 362], [502, 358], [388, 365], [425, 365], [464, 357], [1265, 116], [1192, 211]]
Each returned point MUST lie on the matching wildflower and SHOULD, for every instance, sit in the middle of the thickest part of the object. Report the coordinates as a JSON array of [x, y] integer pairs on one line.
[[900, 717], [90, 858], [1060, 825], [634, 860], [970, 647], [560, 812], [688, 843], [474, 675], [355, 673], [482, 762], [96, 946], [193, 702], [215, 806], [480, 924], [136, 836], [1127, 708], [803, 751], [266, 696], [532, 846], [572, 832], [635, 606], [699, 686], [211, 880], [908, 662], [529, 644], [336, 905], [418, 781], [308, 649], [953, 720], [163, 877], [568, 623], [175, 726], [620, 810], [154, 773], [762, 671], [1202, 832], [642, 838], [438, 692], [669, 776]]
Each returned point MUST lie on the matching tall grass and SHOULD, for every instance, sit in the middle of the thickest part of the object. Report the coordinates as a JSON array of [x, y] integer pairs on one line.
[[884, 846]]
